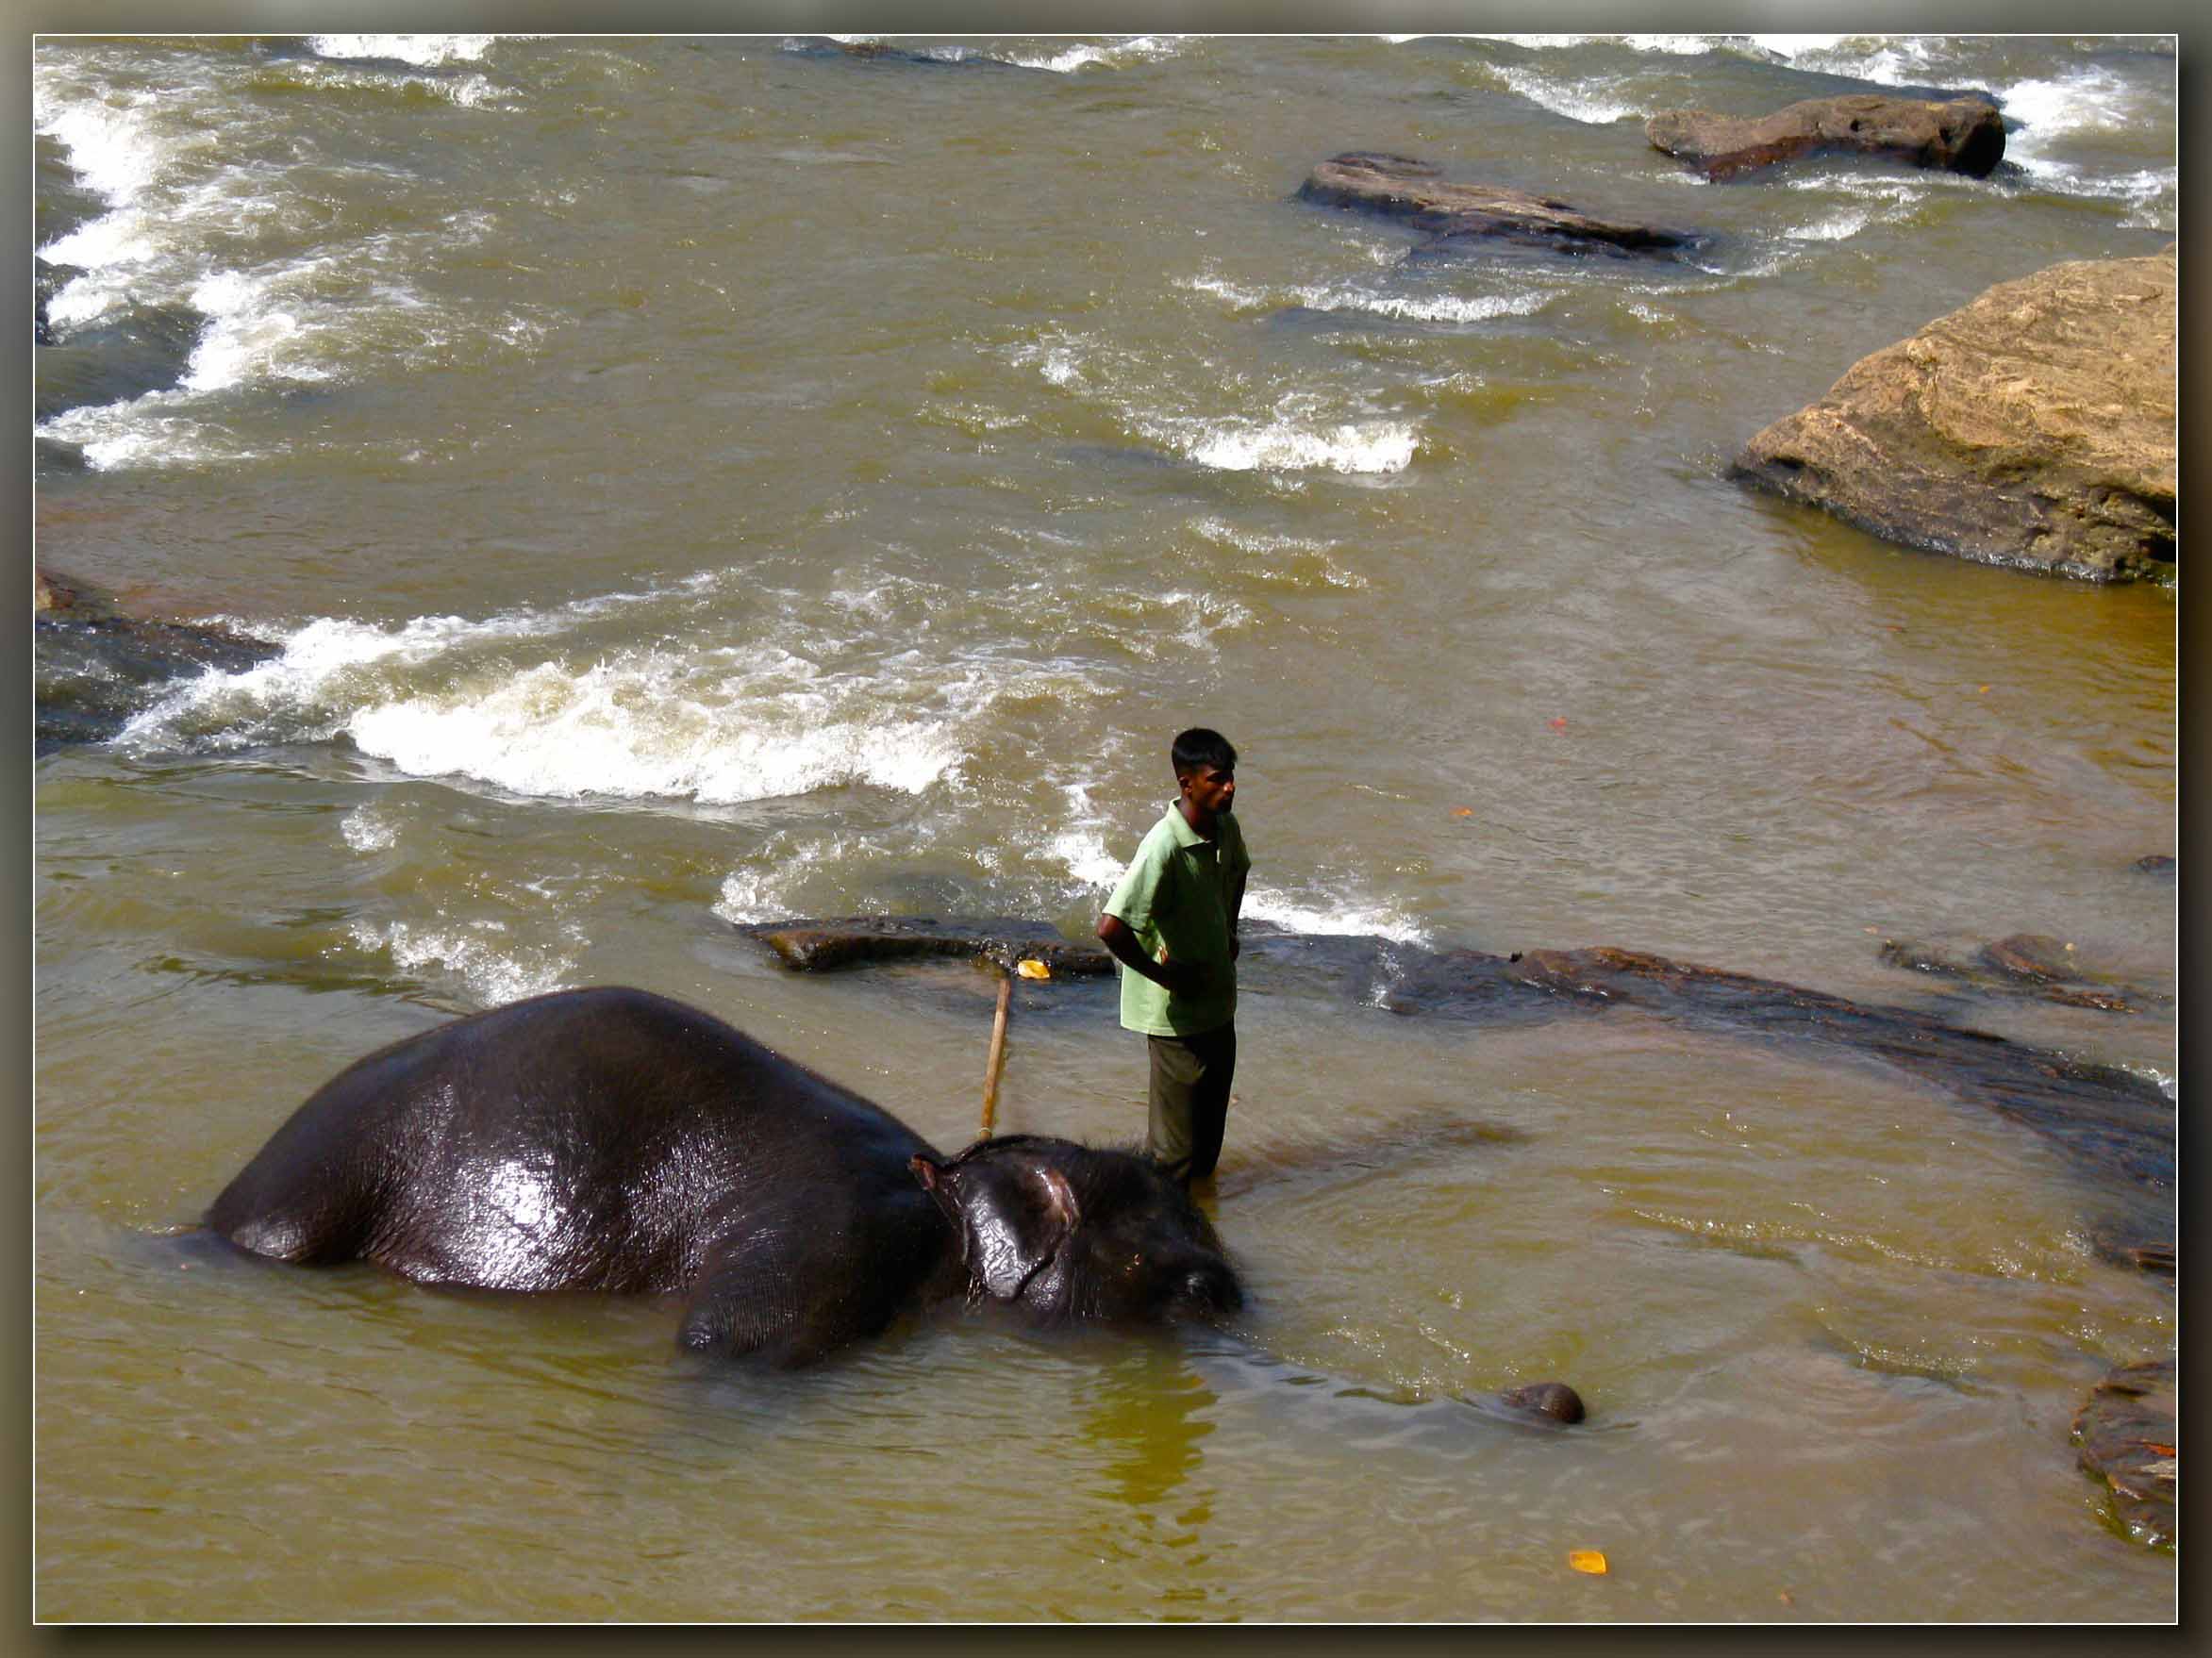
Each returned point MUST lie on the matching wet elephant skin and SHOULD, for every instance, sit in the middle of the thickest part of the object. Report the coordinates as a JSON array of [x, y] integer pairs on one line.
[[616, 1140]]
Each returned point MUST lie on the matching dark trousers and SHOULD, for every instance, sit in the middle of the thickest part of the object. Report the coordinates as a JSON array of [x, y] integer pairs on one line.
[[1190, 1100]]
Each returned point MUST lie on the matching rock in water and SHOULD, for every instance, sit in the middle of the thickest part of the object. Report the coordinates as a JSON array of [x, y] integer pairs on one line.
[[821, 946], [1962, 135], [1400, 186], [2034, 427], [93, 668], [2128, 1437], [2028, 964]]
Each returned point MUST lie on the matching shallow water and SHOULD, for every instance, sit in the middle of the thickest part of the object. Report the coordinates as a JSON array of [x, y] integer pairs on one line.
[[698, 482]]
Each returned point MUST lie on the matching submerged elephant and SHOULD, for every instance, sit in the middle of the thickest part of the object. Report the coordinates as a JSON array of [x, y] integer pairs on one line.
[[612, 1140]]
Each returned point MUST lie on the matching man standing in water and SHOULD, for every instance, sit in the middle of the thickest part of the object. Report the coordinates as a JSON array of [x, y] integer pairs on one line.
[[1171, 923]]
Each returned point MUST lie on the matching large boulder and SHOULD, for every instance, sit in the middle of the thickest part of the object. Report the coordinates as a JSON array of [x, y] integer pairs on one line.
[[1961, 135], [1400, 186], [2034, 427]]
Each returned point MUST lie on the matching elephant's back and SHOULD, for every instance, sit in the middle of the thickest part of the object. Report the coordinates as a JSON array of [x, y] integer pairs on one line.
[[599, 1137]]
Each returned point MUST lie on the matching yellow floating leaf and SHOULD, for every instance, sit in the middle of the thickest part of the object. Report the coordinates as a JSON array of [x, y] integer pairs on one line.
[[1589, 1560], [1033, 969]]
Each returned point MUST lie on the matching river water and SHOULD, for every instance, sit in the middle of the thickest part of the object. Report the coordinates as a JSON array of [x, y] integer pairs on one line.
[[695, 482]]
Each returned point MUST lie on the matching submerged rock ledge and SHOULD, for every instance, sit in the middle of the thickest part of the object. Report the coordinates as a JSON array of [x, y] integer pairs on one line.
[[2029, 964], [826, 946], [2112, 1124], [2115, 1125], [1461, 215], [95, 666]]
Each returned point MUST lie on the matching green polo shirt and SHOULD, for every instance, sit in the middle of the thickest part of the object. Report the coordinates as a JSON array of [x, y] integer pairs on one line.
[[1181, 890]]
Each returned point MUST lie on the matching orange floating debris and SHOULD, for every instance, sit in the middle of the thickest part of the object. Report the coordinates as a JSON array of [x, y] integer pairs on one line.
[[1030, 968], [1469, 812], [1559, 722], [1588, 1560]]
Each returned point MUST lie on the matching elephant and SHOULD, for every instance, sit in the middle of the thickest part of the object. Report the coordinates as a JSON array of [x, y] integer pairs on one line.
[[612, 1140]]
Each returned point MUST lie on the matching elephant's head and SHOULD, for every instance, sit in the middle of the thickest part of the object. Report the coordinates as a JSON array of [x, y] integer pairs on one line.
[[1065, 1231]]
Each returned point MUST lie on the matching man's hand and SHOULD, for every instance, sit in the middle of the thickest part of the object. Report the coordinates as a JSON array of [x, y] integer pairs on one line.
[[1182, 978], [1178, 978]]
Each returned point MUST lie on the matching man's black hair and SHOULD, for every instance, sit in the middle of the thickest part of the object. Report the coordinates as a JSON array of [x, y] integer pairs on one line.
[[1201, 747]]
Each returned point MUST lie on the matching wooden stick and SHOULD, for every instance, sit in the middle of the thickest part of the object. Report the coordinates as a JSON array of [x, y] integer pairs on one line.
[[998, 1054]]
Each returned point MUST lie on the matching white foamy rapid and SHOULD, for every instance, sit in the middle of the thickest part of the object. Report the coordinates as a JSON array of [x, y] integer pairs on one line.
[[1105, 55], [197, 220], [1344, 299], [1592, 99], [1289, 443], [1677, 46], [1301, 433], [1886, 60], [2053, 113], [644, 726], [424, 51], [443, 697], [1332, 915], [482, 953], [1055, 57]]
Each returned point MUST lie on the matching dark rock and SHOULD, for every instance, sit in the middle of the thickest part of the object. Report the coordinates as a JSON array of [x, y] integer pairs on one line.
[[821, 946], [1555, 1399], [53, 593], [2155, 1259], [140, 351], [61, 202], [2034, 957], [2028, 964], [1960, 135], [52, 455], [1465, 215], [2129, 1437], [2159, 864], [2035, 427], [94, 667]]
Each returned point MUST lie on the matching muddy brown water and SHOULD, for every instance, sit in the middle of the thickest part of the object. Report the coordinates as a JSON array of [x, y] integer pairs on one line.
[[690, 484]]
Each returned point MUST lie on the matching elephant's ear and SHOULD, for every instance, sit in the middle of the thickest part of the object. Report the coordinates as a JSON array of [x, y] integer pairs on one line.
[[1014, 1215], [1011, 1242], [1060, 1207], [938, 1180]]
